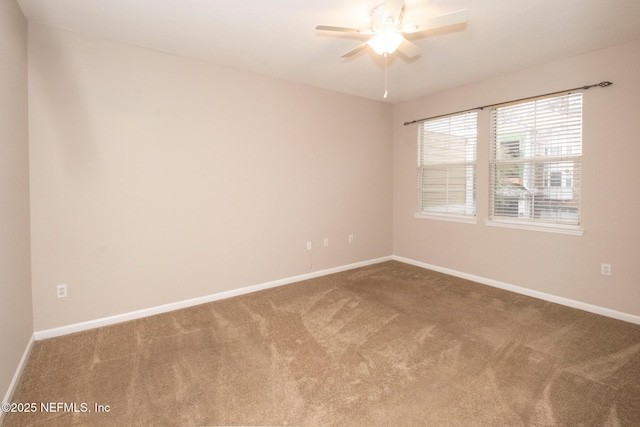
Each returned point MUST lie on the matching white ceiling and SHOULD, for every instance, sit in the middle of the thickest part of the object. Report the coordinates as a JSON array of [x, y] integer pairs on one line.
[[278, 37]]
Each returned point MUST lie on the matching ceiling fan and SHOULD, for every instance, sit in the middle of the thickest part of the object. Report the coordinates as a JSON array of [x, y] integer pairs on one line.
[[387, 30]]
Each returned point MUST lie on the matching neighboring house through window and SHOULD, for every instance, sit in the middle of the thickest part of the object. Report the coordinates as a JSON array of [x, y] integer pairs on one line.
[[535, 163]]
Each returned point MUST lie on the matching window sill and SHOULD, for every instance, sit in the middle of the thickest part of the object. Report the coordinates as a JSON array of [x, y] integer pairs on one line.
[[574, 230], [442, 217]]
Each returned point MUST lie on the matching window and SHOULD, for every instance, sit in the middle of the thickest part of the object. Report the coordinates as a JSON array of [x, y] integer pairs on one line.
[[447, 167], [536, 149]]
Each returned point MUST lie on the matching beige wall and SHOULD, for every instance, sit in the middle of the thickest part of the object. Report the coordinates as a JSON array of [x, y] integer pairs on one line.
[[157, 178], [16, 317], [560, 265]]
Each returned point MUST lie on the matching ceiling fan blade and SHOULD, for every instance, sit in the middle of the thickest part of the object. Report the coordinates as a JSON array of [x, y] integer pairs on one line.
[[354, 51], [343, 29], [452, 18], [409, 49], [393, 8]]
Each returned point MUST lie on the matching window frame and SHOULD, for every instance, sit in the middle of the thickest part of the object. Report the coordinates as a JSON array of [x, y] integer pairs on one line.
[[545, 164], [462, 129]]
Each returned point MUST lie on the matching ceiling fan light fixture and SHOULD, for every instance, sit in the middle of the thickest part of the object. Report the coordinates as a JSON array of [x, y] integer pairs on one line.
[[385, 43]]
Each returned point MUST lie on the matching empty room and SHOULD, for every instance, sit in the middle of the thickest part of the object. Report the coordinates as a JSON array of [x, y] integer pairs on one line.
[[319, 213]]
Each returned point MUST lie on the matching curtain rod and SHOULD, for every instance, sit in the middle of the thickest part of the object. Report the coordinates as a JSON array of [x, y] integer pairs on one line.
[[601, 84]]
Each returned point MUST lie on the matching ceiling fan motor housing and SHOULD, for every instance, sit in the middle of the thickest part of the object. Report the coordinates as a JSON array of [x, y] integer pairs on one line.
[[382, 23]]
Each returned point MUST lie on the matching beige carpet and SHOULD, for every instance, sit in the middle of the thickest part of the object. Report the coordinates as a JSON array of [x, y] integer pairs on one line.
[[385, 345]]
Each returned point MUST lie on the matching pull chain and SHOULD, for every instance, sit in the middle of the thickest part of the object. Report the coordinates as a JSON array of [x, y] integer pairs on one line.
[[386, 92]]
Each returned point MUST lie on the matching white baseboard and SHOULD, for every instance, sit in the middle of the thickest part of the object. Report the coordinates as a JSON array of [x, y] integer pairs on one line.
[[16, 375], [525, 291], [106, 321]]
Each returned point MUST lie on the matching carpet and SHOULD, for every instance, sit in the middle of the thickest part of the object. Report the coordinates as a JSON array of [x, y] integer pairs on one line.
[[385, 345]]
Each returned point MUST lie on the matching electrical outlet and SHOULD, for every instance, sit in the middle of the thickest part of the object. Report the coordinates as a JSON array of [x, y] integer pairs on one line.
[[605, 269], [61, 291]]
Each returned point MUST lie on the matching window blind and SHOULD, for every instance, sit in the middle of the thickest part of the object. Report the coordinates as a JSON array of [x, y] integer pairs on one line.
[[447, 166], [535, 161]]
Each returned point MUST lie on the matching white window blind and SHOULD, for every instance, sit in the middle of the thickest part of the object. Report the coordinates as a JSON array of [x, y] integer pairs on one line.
[[447, 166], [536, 150]]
